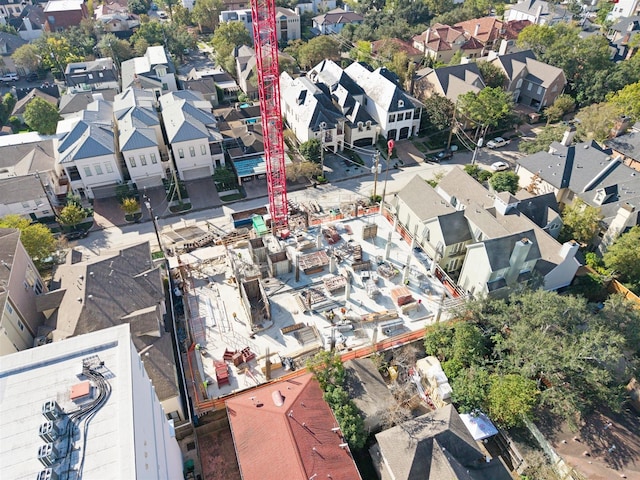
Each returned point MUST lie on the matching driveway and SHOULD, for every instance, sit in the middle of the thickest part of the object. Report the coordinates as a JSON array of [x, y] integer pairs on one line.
[[203, 193], [408, 153]]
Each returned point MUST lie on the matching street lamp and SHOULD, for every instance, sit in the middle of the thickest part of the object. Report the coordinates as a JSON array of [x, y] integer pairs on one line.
[[390, 145], [154, 219]]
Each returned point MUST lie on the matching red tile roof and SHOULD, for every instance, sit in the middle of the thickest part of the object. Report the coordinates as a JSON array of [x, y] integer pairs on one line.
[[291, 441]]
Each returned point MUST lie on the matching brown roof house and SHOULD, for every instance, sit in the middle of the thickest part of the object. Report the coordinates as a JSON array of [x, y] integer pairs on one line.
[[450, 82], [434, 446], [62, 14], [491, 32], [440, 42], [21, 105], [287, 430]]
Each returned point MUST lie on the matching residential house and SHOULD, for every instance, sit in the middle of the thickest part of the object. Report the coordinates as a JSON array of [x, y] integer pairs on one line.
[[440, 42], [192, 132], [591, 173], [434, 446], [62, 14], [87, 154], [11, 8], [205, 81], [533, 84], [114, 16], [9, 43], [139, 137], [298, 433], [624, 8], [386, 48], [369, 392], [287, 22], [99, 74], [309, 112], [490, 32], [316, 6], [32, 155], [495, 215], [440, 229], [449, 82], [397, 113], [30, 23], [334, 20], [24, 196], [348, 97], [111, 289], [538, 12], [205, 86], [72, 103], [154, 71], [621, 34], [43, 391], [246, 70], [20, 284], [51, 91], [21, 105], [626, 146]]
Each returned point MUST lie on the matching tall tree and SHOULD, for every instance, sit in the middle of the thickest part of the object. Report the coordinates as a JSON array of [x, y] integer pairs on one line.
[[623, 257], [438, 111], [487, 107], [36, 238], [318, 49], [227, 37], [628, 99], [206, 12], [491, 74], [597, 120], [511, 399], [580, 222], [118, 50], [41, 116], [548, 135], [71, 215], [27, 56]]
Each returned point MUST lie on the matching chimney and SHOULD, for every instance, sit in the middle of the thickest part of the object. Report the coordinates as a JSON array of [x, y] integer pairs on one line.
[[617, 225], [538, 13], [567, 138], [504, 47], [569, 249], [517, 259], [620, 126], [477, 30]]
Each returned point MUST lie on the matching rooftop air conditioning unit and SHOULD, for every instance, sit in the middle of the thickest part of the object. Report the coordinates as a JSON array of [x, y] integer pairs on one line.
[[51, 410], [47, 474], [48, 454], [49, 432]]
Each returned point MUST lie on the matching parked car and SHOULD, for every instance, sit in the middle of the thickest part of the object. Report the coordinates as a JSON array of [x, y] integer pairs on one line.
[[9, 77], [162, 14], [76, 234], [498, 142], [32, 77], [499, 166], [444, 155]]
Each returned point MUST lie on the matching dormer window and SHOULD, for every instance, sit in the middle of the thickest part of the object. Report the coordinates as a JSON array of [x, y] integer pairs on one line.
[[400, 103], [161, 71]]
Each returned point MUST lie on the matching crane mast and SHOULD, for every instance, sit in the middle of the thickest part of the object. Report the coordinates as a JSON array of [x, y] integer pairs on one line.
[[265, 40]]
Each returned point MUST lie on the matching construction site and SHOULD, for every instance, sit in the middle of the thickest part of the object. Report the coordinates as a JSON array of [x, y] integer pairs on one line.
[[256, 307]]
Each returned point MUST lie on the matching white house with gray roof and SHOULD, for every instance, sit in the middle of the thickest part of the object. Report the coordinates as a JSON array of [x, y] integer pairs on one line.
[[139, 137], [309, 112], [589, 172], [538, 12], [397, 113], [192, 131], [154, 71], [87, 152]]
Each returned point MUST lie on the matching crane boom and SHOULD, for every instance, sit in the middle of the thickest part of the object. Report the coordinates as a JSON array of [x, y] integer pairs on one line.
[[265, 40]]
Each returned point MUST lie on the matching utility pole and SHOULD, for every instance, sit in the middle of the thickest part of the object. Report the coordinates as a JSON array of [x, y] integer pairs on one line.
[[376, 170], [475, 151], [453, 125], [390, 145], [147, 203], [322, 150]]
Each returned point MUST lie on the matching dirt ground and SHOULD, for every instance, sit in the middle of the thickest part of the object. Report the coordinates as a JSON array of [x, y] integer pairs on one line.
[[217, 453]]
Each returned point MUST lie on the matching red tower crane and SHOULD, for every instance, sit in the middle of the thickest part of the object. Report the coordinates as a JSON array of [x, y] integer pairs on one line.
[[265, 40]]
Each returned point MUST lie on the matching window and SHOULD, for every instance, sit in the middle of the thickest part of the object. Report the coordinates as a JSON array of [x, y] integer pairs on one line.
[[9, 308], [519, 84], [529, 85], [400, 103], [87, 172], [408, 115], [180, 153], [30, 276], [38, 287], [400, 117], [98, 168], [20, 325], [25, 205], [143, 160], [100, 74], [539, 90], [392, 118], [192, 151], [90, 76], [203, 149], [108, 166], [154, 160]]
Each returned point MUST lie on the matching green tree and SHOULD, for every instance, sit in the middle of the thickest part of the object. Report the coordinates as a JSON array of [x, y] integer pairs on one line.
[[227, 37], [487, 107], [438, 341], [562, 105], [310, 150], [491, 74], [623, 257], [138, 6], [327, 368], [114, 48], [152, 32], [318, 49], [71, 215], [438, 111], [362, 52], [511, 398], [505, 182], [628, 99], [468, 343], [548, 135], [580, 222], [596, 121], [41, 116], [130, 206], [36, 238], [56, 52], [181, 15], [297, 170], [470, 389], [206, 12], [27, 56]]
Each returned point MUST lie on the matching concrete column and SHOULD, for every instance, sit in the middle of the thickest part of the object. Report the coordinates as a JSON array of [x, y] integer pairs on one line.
[[332, 264], [347, 291], [387, 248], [319, 238]]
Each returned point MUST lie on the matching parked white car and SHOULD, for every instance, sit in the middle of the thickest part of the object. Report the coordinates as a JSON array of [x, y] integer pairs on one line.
[[9, 77], [498, 142], [499, 166]]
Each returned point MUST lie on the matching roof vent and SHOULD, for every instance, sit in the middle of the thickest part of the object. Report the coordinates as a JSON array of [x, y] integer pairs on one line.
[[586, 147], [278, 399]]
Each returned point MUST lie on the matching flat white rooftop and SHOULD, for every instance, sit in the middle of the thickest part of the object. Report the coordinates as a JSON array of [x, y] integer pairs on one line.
[[32, 377]]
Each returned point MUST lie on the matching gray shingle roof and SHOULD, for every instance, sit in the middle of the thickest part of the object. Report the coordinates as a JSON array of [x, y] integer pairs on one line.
[[187, 116], [76, 102], [454, 227], [26, 158], [423, 200], [21, 189], [368, 390], [628, 145], [539, 73], [499, 249]]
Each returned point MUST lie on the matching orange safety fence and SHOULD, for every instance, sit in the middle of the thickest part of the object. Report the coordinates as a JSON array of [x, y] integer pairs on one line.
[[203, 406]]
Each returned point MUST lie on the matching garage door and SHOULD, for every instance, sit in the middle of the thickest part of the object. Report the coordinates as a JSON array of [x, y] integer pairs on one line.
[[149, 182], [196, 173], [105, 191]]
